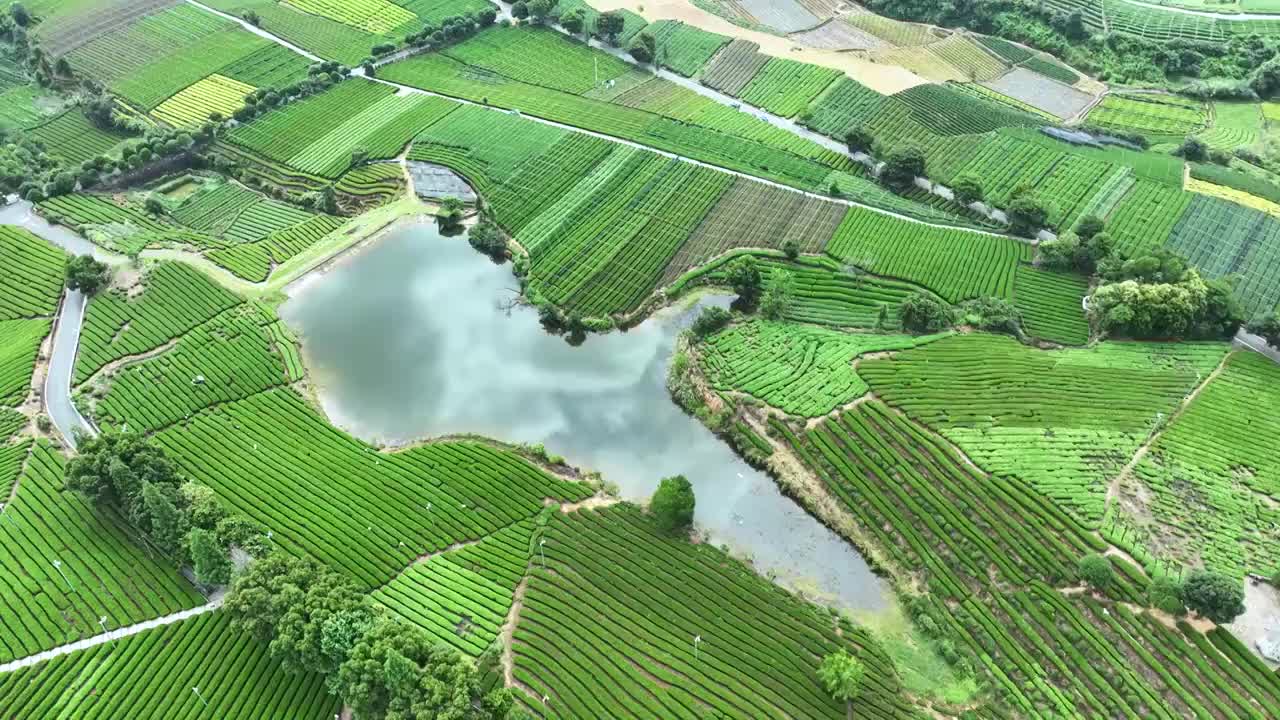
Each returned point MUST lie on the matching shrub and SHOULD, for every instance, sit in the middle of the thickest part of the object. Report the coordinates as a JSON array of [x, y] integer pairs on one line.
[[1213, 595], [925, 313], [1096, 570], [710, 320]]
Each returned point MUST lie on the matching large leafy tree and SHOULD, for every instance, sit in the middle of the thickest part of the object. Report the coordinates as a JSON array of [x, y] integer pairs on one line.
[[673, 503], [841, 674], [1213, 595]]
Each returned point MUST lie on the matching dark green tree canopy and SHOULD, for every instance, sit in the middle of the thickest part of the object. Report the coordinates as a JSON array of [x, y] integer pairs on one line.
[[902, 167], [673, 503], [1213, 595], [87, 275]]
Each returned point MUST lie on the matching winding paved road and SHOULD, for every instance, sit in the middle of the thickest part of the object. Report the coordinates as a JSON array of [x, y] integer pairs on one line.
[[66, 334]]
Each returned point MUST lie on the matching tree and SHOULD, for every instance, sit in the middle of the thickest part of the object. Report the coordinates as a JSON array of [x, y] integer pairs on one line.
[[485, 237], [1089, 226], [208, 557], [573, 21], [744, 278], [778, 296], [1268, 327], [540, 9], [394, 670], [1213, 595], [519, 10], [609, 25], [242, 532], [1193, 149], [882, 317], [710, 320], [450, 214], [252, 18], [21, 17], [968, 190], [1096, 570], [841, 674], [87, 275], [1165, 593], [644, 48], [902, 167], [1027, 214], [154, 206], [791, 249], [164, 524], [672, 504], [326, 201], [924, 313], [858, 139]]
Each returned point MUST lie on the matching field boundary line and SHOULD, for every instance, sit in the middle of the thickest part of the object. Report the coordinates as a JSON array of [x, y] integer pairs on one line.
[[113, 635]]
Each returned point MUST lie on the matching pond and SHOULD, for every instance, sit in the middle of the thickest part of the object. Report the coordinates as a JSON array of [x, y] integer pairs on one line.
[[415, 336]]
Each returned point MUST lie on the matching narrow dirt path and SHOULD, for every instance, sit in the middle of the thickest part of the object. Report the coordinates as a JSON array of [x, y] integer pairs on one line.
[[113, 635], [1145, 447], [507, 636]]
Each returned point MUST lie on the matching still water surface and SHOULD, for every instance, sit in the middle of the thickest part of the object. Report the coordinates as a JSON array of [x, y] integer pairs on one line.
[[409, 338]]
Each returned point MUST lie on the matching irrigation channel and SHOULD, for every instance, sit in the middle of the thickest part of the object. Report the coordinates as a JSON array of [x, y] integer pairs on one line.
[[415, 337]]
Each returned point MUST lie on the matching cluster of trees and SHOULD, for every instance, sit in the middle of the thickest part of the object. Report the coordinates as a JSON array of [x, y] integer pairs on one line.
[[451, 29], [450, 216], [773, 299], [183, 521], [487, 238], [1209, 594], [1155, 294], [535, 11], [1241, 67], [1152, 294], [315, 620], [924, 312], [320, 77]]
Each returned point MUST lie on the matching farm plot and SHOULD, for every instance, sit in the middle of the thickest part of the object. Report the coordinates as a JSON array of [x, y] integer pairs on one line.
[[544, 179], [562, 64], [751, 214], [151, 674], [64, 27], [784, 16], [1050, 304], [174, 299], [365, 513], [328, 38], [968, 57], [1067, 433], [733, 67], [837, 35], [1029, 87], [955, 264], [1150, 114], [846, 104], [281, 135], [227, 358], [485, 146], [1009, 52], [1223, 238], [1202, 496], [461, 598], [193, 105], [799, 369], [644, 669], [825, 293], [106, 572], [684, 48], [775, 156], [602, 246], [786, 87], [434, 11], [381, 129], [1235, 125], [375, 16], [31, 274], [894, 32], [272, 65], [1051, 69], [73, 138], [19, 344], [1145, 216], [375, 182], [950, 112], [991, 581]]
